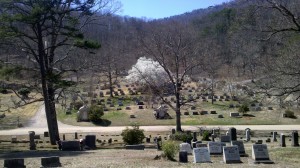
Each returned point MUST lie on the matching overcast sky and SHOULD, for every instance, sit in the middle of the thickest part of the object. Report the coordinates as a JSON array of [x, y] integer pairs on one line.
[[155, 9]]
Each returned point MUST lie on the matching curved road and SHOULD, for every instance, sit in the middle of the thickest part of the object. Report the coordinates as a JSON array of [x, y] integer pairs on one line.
[[39, 124]]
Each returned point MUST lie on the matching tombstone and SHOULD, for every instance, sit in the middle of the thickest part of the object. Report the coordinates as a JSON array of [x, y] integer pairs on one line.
[[76, 135], [64, 137], [194, 144], [141, 107], [225, 138], [83, 113], [70, 145], [274, 134], [215, 148], [201, 155], [203, 112], [135, 147], [241, 147], [270, 108], [132, 116], [248, 135], [194, 136], [231, 154], [173, 131], [200, 145], [186, 147], [282, 140], [220, 116], [232, 134], [148, 140], [295, 138], [50, 161], [14, 163], [186, 113], [260, 154], [195, 113], [90, 141], [128, 108], [46, 134], [233, 114], [183, 156], [13, 139], [32, 145], [213, 112]]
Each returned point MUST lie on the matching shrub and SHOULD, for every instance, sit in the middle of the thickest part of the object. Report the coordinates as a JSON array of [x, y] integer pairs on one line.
[[95, 113], [244, 109], [290, 114], [77, 105], [205, 135], [170, 148], [24, 92], [181, 136], [3, 91], [133, 136]]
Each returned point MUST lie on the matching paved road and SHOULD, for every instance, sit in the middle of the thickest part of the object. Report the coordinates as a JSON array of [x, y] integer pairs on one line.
[[39, 125]]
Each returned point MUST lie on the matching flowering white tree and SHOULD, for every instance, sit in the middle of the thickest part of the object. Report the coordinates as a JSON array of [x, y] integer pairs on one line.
[[146, 71]]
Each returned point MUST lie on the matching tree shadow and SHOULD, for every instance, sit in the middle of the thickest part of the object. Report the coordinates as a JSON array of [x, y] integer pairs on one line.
[[102, 122]]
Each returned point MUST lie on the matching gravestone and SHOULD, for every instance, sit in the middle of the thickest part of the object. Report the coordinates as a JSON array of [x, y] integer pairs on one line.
[[232, 133], [260, 154], [173, 131], [183, 156], [194, 136], [193, 108], [195, 113], [76, 135], [199, 145], [295, 138], [274, 134], [32, 145], [50, 161], [13, 139], [248, 134], [231, 154], [232, 114], [194, 144], [46, 134], [220, 116], [201, 155], [213, 112], [135, 147], [241, 147], [14, 163], [90, 141], [82, 114], [186, 147], [225, 138], [186, 113], [215, 148], [70, 145], [282, 140]]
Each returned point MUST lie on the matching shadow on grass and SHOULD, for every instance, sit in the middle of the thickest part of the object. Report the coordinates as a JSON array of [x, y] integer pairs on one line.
[[248, 115], [103, 122]]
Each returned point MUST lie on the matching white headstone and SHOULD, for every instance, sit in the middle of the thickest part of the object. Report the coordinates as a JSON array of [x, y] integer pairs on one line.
[[215, 147], [231, 154], [186, 147], [201, 155]]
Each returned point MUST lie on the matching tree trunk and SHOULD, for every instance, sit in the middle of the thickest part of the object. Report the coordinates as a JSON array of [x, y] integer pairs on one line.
[[178, 121], [110, 84]]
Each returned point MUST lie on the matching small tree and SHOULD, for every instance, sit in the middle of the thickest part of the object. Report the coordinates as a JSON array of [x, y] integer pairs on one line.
[[170, 148], [244, 109], [95, 113], [133, 136]]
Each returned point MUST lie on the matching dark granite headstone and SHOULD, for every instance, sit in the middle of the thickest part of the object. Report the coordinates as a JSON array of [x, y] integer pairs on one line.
[[183, 157], [90, 141], [295, 138], [231, 154], [282, 140], [14, 163], [260, 154], [50, 161], [232, 133], [70, 145]]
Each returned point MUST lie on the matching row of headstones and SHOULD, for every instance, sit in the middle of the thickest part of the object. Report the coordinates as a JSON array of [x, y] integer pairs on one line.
[[199, 113], [231, 154], [45, 162]]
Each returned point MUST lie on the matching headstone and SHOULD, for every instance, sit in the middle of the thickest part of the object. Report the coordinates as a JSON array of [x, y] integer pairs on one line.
[[195, 113], [183, 156], [90, 141], [241, 147], [201, 155], [295, 138], [135, 147], [173, 131], [32, 145], [46, 134], [260, 154], [194, 144], [274, 134], [64, 137], [248, 135], [231, 154], [232, 133], [193, 108], [220, 116], [199, 145], [282, 140], [82, 114], [215, 148], [148, 140], [213, 112], [76, 135], [70, 145], [50, 161], [232, 114], [194, 136], [14, 163], [186, 147], [225, 138], [14, 139]]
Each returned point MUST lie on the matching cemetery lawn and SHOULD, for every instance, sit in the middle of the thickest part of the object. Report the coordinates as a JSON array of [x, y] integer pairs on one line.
[[145, 117]]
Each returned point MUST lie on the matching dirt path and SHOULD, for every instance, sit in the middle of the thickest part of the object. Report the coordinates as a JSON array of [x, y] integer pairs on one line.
[[39, 124]]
